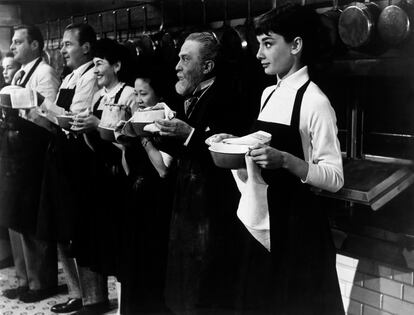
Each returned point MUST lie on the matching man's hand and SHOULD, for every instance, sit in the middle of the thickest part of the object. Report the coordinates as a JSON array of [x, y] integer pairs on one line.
[[173, 128], [84, 123]]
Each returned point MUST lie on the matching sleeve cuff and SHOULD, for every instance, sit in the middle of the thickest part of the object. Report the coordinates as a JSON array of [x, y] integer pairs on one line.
[[308, 178]]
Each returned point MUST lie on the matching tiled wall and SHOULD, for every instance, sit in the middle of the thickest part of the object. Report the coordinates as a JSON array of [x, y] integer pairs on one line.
[[370, 287]]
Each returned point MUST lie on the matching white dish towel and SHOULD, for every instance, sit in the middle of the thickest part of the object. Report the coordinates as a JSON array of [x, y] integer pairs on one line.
[[253, 210]]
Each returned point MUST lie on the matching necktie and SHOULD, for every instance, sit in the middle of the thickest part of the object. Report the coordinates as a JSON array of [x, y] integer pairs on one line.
[[189, 104], [19, 77]]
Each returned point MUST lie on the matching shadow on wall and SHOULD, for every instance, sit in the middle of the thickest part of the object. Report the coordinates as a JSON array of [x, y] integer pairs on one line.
[[369, 286]]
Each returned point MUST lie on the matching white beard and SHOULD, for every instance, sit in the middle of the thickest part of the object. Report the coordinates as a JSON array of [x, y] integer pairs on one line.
[[183, 87]]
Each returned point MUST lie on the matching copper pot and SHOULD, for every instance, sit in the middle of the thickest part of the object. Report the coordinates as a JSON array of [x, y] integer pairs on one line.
[[394, 23], [357, 24]]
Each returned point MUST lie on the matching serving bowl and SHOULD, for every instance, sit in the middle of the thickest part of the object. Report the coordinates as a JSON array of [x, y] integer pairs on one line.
[[5, 100], [106, 133], [229, 155], [64, 121], [142, 118]]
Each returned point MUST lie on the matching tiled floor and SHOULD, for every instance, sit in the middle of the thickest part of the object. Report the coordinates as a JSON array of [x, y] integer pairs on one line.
[[15, 307]]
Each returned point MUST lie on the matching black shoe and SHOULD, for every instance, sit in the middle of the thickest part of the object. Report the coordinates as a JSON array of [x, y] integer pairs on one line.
[[31, 296], [94, 309], [70, 305], [14, 293]]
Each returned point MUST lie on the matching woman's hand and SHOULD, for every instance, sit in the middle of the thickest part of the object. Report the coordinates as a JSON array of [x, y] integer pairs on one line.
[[132, 103], [267, 157], [85, 123], [270, 158], [218, 138], [120, 125]]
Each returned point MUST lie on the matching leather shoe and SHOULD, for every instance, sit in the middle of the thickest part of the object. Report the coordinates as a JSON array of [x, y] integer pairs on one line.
[[14, 293], [31, 296], [94, 309], [70, 305]]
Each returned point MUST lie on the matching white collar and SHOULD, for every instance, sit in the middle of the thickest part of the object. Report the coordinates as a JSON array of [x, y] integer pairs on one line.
[[79, 70], [112, 92], [204, 85], [296, 79], [26, 68]]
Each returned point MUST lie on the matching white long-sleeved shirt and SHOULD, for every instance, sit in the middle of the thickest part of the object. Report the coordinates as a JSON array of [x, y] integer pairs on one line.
[[86, 87], [317, 128], [321, 148]]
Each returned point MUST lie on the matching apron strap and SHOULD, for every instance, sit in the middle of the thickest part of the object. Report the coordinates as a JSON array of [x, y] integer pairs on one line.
[[118, 94], [294, 122], [267, 100], [96, 112], [88, 68], [23, 84]]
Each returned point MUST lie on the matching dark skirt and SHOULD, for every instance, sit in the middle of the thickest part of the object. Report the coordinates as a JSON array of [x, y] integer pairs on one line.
[[204, 249], [144, 244]]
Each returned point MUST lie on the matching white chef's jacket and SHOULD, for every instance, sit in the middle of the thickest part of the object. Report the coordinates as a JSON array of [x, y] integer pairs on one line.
[[44, 79], [86, 87]]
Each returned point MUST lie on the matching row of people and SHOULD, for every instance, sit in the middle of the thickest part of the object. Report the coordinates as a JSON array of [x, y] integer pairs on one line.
[[155, 211]]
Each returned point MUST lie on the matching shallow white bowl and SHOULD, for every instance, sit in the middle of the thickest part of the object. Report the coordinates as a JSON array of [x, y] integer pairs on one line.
[[229, 155]]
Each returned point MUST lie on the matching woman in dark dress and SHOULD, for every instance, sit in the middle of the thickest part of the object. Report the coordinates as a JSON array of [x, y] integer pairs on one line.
[[147, 216], [290, 259], [98, 246]]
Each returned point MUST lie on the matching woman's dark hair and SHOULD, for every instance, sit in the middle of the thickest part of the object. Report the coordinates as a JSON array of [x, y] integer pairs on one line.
[[160, 77], [291, 21], [114, 52]]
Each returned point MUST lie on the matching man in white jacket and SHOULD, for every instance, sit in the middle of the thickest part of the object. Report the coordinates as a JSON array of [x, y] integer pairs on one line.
[[35, 260]]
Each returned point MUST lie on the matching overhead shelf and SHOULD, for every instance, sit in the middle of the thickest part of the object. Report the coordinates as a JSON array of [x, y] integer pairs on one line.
[[379, 67]]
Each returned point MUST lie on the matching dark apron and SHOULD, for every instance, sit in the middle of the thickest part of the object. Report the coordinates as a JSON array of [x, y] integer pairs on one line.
[[63, 189], [66, 95], [300, 269], [23, 146], [98, 113]]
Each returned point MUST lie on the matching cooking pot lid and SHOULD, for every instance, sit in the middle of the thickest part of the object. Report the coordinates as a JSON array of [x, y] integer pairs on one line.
[[393, 25], [356, 24]]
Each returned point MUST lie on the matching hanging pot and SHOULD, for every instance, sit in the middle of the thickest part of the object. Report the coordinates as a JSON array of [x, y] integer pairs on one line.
[[229, 38], [247, 34], [357, 24], [144, 44], [164, 41], [115, 25], [330, 20], [47, 54], [179, 34], [395, 23]]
